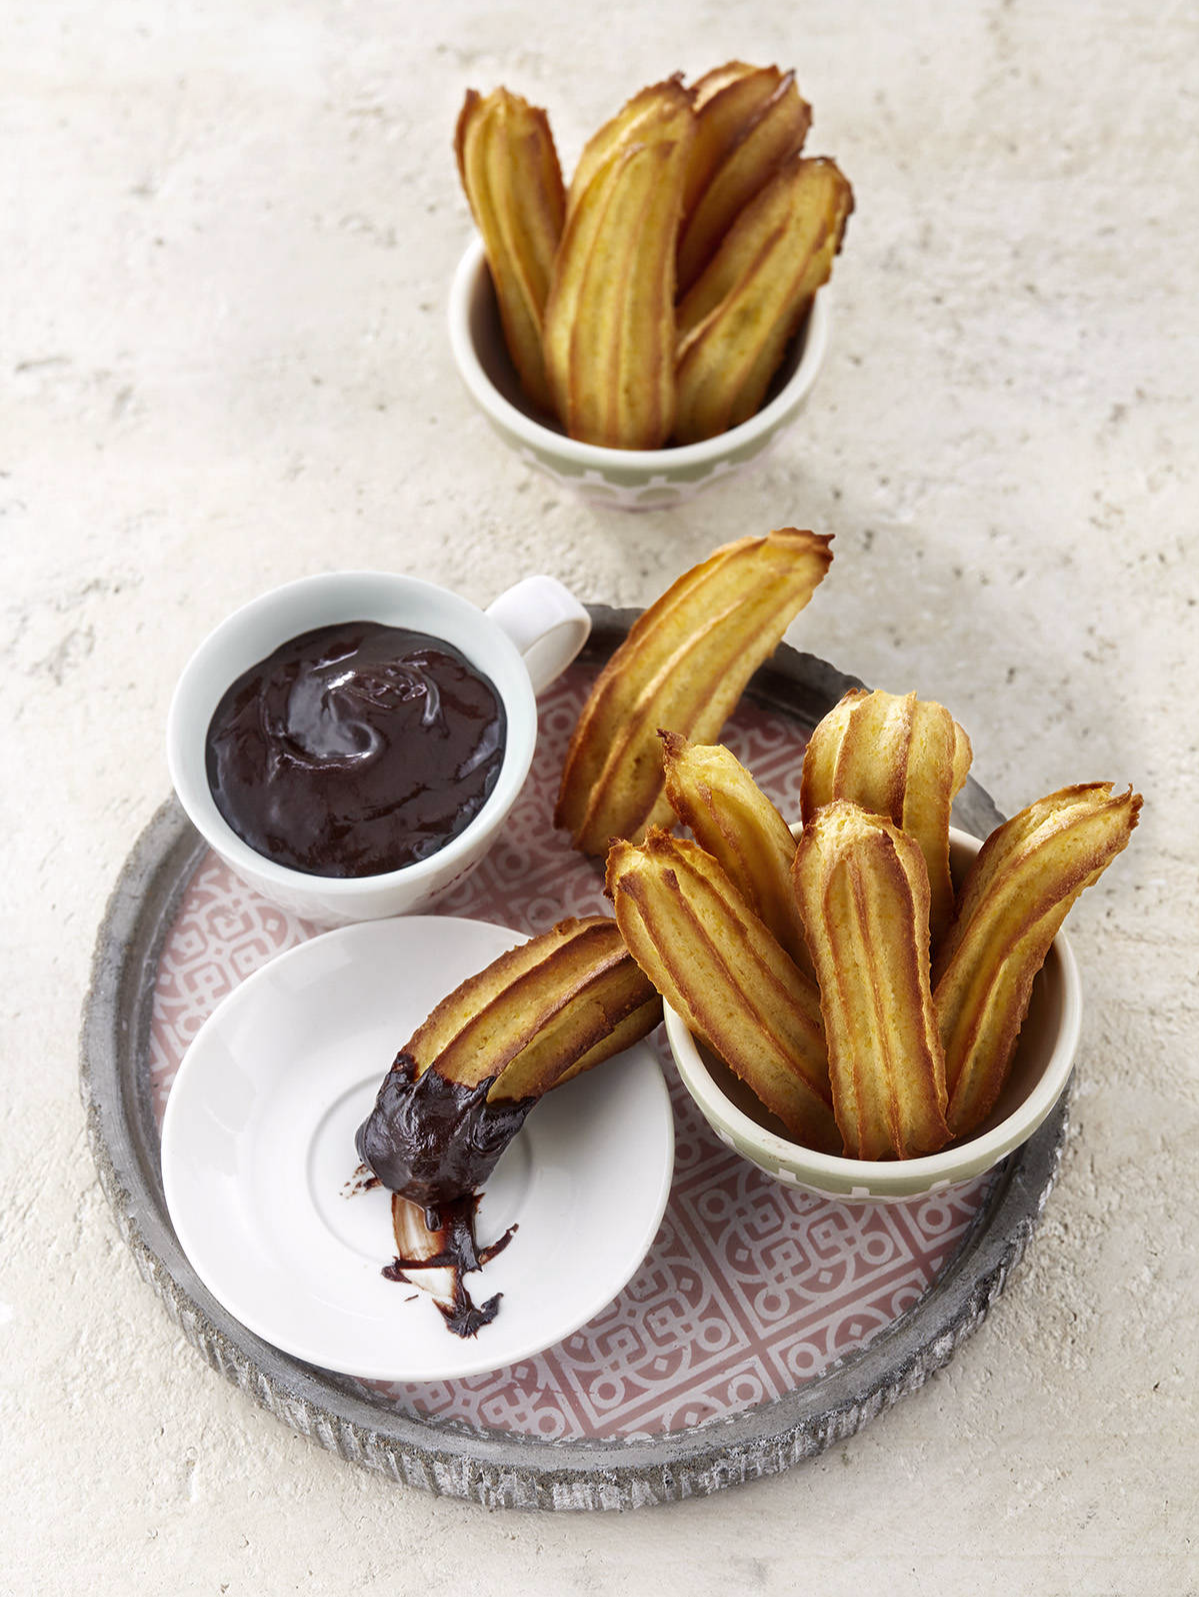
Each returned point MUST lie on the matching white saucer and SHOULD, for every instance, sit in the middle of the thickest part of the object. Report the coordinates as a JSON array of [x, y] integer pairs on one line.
[[258, 1149]]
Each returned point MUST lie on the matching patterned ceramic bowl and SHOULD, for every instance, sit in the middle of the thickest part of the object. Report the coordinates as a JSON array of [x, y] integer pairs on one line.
[[625, 479], [1040, 1070]]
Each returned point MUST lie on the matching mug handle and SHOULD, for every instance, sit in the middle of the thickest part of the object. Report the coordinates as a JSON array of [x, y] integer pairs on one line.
[[547, 624]]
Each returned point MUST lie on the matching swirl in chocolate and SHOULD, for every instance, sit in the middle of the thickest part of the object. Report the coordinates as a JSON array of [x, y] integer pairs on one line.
[[355, 749]]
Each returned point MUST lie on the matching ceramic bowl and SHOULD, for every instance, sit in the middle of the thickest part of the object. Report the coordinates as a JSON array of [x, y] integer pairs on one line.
[[521, 642], [626, 479], [1040, 1070]]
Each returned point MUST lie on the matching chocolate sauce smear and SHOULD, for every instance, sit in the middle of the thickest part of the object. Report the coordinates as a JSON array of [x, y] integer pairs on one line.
[[434, 1143], [355, 749], [443, 1239]]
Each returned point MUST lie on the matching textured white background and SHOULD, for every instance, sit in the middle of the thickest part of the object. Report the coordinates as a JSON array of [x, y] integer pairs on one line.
[[227, 232]]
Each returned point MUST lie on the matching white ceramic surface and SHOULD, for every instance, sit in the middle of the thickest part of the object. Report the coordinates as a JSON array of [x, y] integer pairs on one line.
[[1040, 1070], [526, 638], [625, 479], [258, 1146]]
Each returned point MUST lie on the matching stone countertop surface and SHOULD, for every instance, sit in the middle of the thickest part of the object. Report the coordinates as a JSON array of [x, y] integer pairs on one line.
[[228, 232]]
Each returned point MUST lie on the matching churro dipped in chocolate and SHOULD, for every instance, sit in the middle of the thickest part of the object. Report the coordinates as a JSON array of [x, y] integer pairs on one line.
[[461, 1088]]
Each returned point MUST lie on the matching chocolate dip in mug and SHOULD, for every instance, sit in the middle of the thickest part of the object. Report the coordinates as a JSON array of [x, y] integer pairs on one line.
[[338, 674]]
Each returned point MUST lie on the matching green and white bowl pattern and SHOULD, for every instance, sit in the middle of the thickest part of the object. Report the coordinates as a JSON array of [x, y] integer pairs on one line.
[[623, 479]]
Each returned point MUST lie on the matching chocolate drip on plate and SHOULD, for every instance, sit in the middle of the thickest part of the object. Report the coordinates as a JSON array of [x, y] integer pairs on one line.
[[434, 1143]]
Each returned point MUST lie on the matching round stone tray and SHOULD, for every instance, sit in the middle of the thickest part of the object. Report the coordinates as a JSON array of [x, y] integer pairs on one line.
[[812, 1335]]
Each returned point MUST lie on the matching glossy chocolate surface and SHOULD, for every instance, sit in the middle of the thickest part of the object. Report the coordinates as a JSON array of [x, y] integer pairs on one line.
[[355, 749], [435, 1140]]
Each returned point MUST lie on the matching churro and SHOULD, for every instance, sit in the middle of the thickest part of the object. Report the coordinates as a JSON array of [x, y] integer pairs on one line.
[[683, 666], [714, 961], [862, 889], [901, 757]]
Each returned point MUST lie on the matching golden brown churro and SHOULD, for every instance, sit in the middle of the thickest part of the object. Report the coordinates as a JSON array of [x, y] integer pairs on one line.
[[536, 1011], [461, 1087], [757, 122], [713, 961], [509, 169], [712, 793], [862, 889], [1012, 904], [683, 666], [737, 319], [727, 101], [609, 319], [898, 756], [648, 106]]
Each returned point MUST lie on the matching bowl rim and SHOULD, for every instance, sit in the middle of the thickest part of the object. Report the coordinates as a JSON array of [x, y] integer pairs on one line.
[[960, 1160], [201, 808], [596, 456]]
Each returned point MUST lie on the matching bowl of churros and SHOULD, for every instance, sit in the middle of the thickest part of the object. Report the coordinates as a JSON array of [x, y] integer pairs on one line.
[[621, 479], [868, 1004], [871, 1004], [651, 326], [1034, 1081]]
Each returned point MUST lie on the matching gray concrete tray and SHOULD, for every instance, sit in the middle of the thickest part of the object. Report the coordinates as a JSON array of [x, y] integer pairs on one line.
[[498, 1469]]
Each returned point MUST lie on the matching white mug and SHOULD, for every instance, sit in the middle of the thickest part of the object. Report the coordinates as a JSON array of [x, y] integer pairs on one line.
[[525, 639]]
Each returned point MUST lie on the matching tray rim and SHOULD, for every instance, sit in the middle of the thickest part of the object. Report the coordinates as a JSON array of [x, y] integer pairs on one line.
[[498, 1469]]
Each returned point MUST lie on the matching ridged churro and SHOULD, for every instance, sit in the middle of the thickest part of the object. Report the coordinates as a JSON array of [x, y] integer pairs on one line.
[[509, 169], [727, 101], [901, 757], [668, 99], [756, 122], [683, 666], [561, 1002], [862, 889], [713, 794], [535, 1012], [1017, 894], [735, 323], [461, 1088], [714, 961], [609, 322]]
